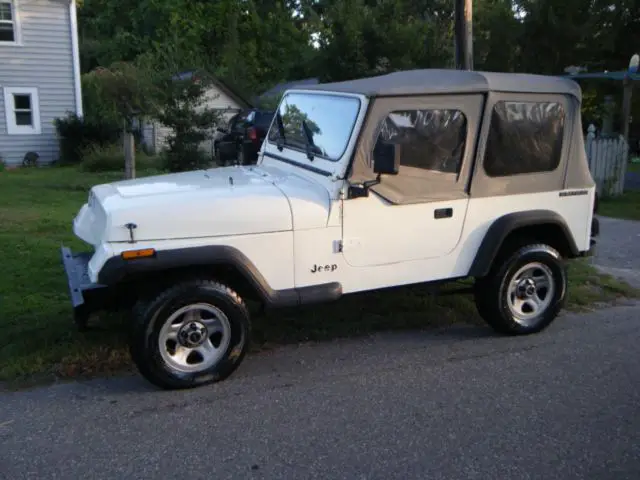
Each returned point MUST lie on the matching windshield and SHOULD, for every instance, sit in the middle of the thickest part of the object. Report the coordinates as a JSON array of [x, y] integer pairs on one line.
[[328, 120]]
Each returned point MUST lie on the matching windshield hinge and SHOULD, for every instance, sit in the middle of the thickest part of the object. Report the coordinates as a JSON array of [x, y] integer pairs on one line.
[[131, 227]]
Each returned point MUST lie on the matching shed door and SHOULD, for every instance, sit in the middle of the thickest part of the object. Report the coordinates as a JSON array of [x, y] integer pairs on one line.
[[419, 213]]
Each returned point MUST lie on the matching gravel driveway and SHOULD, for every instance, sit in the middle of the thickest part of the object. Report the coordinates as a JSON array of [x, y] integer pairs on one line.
[[618, 249]]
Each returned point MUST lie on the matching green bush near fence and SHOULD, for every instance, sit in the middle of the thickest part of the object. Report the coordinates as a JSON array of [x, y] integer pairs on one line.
[[110, 158]]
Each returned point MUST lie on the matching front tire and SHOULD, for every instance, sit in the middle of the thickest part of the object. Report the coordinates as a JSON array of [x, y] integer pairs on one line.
[[524, 292], [192, 334]]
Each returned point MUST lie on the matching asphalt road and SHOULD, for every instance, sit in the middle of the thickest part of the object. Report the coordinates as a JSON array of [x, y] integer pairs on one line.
[[618, 249], [458, 403]]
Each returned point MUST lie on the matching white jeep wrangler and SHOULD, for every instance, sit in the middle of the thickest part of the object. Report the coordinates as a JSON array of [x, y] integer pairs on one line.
[[412, 177]]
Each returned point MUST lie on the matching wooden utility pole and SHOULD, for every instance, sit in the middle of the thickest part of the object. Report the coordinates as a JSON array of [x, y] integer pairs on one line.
[[464, 34], [627, 84], [129, 151]]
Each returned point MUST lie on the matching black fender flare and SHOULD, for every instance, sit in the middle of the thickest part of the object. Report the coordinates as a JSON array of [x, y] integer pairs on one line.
[[117, 270], [505, 225]]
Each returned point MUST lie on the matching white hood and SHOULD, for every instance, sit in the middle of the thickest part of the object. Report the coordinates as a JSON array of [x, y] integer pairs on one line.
[[199, 204]]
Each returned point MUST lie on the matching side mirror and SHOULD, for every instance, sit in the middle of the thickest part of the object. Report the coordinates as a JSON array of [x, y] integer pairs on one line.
[[386, 158], [386, 161], [221, 130]]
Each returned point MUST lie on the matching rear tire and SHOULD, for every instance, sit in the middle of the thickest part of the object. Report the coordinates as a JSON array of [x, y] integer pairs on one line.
[[192, 334], [524, 292]]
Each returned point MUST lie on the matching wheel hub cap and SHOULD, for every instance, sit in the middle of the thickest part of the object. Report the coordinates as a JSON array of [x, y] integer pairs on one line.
[[192, 334], [530, 292], [526, 288], [194, 337]]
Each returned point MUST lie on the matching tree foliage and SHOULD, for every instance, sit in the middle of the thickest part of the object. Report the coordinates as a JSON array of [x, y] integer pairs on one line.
[[191, 121], [255, 44]]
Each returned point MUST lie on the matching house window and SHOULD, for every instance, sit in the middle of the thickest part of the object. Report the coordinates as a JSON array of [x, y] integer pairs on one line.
[[8, 30], [524, 137], [22, 109]]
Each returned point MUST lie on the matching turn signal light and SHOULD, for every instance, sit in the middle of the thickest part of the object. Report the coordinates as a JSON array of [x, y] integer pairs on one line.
[[133, 254]]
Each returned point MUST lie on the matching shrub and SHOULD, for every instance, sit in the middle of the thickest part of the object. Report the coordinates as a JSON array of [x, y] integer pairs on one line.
[[2, 165], [182, 156], [75, 135], [190, 120], [110, 158]]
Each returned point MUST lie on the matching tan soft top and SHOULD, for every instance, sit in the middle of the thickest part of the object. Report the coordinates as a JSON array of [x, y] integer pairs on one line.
[[417, 82]]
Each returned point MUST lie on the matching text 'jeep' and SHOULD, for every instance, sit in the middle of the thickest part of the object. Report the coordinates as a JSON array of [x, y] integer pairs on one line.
[[412, 177]]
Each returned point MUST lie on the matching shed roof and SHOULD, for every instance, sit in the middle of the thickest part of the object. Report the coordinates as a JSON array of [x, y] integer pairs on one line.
[[430, 81], [222, 85]]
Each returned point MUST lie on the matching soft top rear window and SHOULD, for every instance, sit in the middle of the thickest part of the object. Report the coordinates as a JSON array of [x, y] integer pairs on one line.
[[329, 118]]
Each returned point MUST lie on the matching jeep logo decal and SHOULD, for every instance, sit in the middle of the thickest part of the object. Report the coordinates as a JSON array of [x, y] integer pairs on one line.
[[324, 268]]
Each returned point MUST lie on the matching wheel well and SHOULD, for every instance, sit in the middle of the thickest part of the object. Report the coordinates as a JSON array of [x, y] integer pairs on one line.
[[550, 234], [149, 283], [510, 231]]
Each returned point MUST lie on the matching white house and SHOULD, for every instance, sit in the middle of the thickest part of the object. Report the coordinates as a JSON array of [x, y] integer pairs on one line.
[[39, 75], [219, 96]]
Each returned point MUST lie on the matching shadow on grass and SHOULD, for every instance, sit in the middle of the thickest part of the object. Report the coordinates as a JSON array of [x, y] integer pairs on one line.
[[103, 352]]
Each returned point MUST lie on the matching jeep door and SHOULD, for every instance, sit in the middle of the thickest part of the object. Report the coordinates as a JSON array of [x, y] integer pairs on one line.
[[420, 212]]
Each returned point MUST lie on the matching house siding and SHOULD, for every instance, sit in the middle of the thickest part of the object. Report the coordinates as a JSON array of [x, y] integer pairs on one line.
[[156, 138], [44, 60]]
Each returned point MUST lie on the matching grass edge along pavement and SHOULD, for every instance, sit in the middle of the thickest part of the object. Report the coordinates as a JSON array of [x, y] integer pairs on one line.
[[41, 343], [627, 205]]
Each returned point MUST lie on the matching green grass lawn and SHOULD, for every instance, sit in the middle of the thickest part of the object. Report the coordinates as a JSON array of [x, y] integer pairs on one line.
[[40, 342], [625, 206], [633, 167]]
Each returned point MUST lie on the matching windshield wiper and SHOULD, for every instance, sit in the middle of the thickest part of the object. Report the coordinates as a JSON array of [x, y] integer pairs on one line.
[[281, 139], [309, 136]]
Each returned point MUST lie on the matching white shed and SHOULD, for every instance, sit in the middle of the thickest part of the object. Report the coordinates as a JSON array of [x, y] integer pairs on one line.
[[219, 97]]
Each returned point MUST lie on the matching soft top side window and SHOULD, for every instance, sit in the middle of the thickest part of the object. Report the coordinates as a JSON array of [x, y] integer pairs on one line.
[[431, 140], [524, 137]]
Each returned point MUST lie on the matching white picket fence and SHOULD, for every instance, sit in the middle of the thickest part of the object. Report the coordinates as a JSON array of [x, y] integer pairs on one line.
[[608, 158]]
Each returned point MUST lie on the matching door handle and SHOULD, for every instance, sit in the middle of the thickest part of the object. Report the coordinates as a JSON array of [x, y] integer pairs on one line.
[[442, 213]]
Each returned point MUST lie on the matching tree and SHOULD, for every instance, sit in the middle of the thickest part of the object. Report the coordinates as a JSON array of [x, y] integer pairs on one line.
[[190, 120], [255, 44], [129, 92]]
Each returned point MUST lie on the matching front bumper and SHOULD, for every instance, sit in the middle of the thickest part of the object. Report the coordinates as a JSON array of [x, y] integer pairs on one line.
[[85, 295]]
